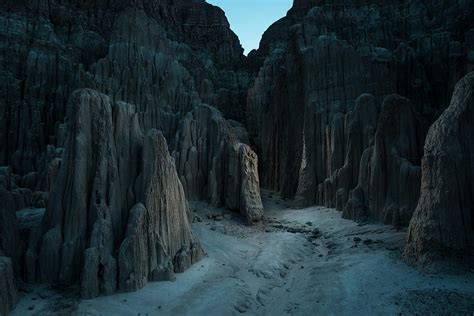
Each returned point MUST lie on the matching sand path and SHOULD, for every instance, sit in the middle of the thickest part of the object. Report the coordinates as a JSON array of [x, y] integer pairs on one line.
[[300, 262]]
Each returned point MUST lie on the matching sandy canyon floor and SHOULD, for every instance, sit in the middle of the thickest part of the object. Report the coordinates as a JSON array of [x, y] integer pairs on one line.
[[300, 262]]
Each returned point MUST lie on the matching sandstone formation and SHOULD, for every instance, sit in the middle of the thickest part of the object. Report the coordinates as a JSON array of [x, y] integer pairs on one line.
[[443, 223], [216, 164], [8, 292], [332, 109], [8, 229], [389, 176], [108, 167], [316, 65], [9, 245], [150, 54], [361, 125], [165, 57], [147, 54]]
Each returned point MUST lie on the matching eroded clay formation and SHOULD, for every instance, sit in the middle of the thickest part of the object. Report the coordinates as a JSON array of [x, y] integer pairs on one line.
[[114, 114], [367, 95], [443, 223], [216, 164], [117, 192]]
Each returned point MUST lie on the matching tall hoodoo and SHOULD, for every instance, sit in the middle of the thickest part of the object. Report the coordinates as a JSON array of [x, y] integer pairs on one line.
[[443, 222], [89, 215], [216, 164], [115, 114]]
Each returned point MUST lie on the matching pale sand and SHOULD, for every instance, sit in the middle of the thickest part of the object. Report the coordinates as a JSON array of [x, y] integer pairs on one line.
[[266, 270]]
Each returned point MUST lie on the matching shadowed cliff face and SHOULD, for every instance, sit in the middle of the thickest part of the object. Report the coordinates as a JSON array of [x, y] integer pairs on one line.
[[343, 100], [97, 158], [322, 57], [336, 103], [443, 223], [164, 58], [109, 171]]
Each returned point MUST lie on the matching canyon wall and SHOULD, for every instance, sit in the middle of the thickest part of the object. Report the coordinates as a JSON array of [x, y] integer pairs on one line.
[[147, 53], [110, 172], [443, 223], [326, 70], [339, 111], [94, 96], [216, 164], [332, 109], [8, 291]]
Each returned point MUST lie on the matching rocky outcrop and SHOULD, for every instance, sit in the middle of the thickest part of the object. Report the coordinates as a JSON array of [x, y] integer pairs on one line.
[[149, 54], [86, 190], [302, 108], [21, 211], [8, 231], [8, 291], [294, 104], [372, 156], [169, 235], [351, 135], [133, 254], [310, 98], [107, 168], [443, 223], [9, 234], [250, 203], [11, 245], [165, 58], [203, 26], [389, 178], [216, 164]]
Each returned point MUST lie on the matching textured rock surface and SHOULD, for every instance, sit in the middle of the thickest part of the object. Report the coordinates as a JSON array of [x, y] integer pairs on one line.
[[355, 133], [316, 65], [216, 164], [8, 230], [8, 291], [9, 234], [100, 179], [443, 223], [164, 57], [250, 200], [169, 234], [84, 162], [317, 99], [389, 177], [87, 188], [133, 254], [149, 54]]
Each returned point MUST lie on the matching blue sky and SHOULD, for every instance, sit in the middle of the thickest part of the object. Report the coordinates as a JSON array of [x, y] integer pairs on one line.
[[250, 18]]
